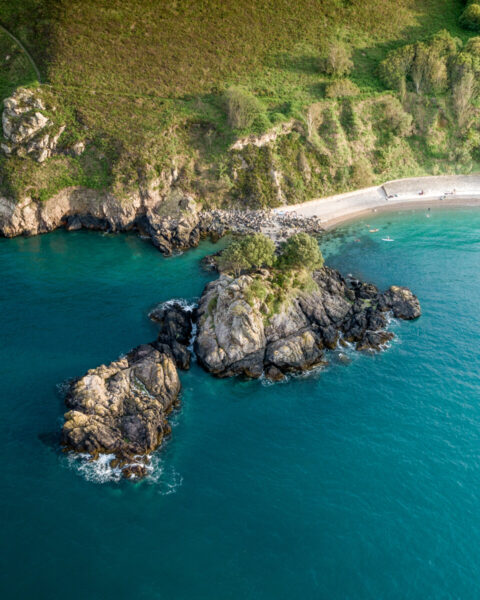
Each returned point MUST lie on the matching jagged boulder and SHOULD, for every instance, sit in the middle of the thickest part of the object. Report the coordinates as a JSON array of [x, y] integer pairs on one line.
[[231, 335], [122, 408], [402, 303], [175, 321], [27, 128]]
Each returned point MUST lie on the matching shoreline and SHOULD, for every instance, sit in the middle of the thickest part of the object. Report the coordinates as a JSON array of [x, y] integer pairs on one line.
[[473, 202], [448, 191]]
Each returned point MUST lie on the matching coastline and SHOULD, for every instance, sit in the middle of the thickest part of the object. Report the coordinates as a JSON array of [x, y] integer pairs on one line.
[[445, 191]]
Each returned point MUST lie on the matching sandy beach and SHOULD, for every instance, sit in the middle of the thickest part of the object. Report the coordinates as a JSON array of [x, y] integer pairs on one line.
[[401, 194]]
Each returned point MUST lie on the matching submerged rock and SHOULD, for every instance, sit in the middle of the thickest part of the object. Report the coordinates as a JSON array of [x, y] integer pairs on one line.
[[239, 334], [122, 408]]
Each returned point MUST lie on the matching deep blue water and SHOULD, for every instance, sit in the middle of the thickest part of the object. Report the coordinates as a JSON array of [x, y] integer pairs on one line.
[[361, 481]]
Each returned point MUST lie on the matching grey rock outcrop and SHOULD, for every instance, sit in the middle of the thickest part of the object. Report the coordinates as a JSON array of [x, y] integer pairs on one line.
[[175, 321], [122, 408], [27, 130], [238, 335]]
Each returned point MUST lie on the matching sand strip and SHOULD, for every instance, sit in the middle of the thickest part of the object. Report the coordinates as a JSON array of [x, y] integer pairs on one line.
[[413, 193]]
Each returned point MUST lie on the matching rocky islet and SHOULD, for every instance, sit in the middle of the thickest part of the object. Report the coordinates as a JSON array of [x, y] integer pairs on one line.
[[122, 408]]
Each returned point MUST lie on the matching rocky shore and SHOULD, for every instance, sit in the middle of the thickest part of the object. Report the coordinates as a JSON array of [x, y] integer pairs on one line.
[[239, 335], [121, 409], [173, 223]]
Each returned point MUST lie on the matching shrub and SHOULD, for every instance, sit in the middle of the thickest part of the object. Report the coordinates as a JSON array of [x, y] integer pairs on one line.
[[473, 46], [242, 108], [341, 89], [396, 66], [258, 250], [301, 251], [470, 18], [362, 174], [393, 117], [336, 61]]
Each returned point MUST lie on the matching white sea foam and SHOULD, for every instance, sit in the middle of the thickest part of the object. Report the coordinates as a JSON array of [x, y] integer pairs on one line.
[[187, 305], [63, 387], [101, 471]]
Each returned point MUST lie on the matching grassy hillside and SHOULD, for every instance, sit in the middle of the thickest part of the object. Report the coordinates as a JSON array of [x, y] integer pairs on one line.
[[143, 82]]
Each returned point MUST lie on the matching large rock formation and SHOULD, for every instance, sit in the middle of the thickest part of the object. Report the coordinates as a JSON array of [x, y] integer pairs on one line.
[[239, 335], [122, 408], [27, 128]]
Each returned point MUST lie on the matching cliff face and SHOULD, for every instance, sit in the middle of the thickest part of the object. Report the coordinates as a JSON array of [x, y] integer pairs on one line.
[[172, 223], [239, 335]]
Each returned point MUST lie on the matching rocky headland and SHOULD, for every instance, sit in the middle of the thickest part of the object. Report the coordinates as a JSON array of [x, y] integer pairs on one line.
[[159, 208], [173, 221]]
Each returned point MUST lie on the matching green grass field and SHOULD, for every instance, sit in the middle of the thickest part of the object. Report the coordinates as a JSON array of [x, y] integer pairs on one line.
[[143, 81]]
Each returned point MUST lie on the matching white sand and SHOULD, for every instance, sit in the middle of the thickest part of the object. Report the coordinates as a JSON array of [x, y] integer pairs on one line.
[[444, 190]]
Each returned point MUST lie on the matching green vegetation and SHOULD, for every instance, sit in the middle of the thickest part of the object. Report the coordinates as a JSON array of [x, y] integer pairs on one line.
[[15, 67], [243, 108], [470, 18], [251, 252], [152, 86], [301, 251], [337, 60], [289, 273]]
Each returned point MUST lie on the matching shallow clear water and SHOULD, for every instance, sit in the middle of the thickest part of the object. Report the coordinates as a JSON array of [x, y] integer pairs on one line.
[[361, 481]]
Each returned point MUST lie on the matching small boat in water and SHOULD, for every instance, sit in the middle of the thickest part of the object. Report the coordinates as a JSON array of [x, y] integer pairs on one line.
[[387, 239], [373, 230]]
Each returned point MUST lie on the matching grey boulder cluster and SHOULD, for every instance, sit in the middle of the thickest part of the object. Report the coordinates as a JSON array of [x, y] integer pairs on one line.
[[27, 128], [237, 335]]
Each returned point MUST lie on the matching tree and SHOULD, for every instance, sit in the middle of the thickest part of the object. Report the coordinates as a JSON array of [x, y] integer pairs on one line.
[[242, 108], [301, 251], [252, 252], [233, 260], [258, 250], [473, 46], [396, 66], [470, 18], [362, 173], [463, 93], [336, 61]]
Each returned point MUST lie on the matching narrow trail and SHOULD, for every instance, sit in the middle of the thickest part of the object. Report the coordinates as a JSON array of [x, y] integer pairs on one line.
[[24, 50]]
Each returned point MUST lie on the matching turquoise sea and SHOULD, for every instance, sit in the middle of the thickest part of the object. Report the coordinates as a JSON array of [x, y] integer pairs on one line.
[[360, 481]]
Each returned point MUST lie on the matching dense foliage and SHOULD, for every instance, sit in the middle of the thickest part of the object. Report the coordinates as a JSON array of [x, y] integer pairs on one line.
[[251, 252], [299, 252], [470, 18], [337, 60]]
